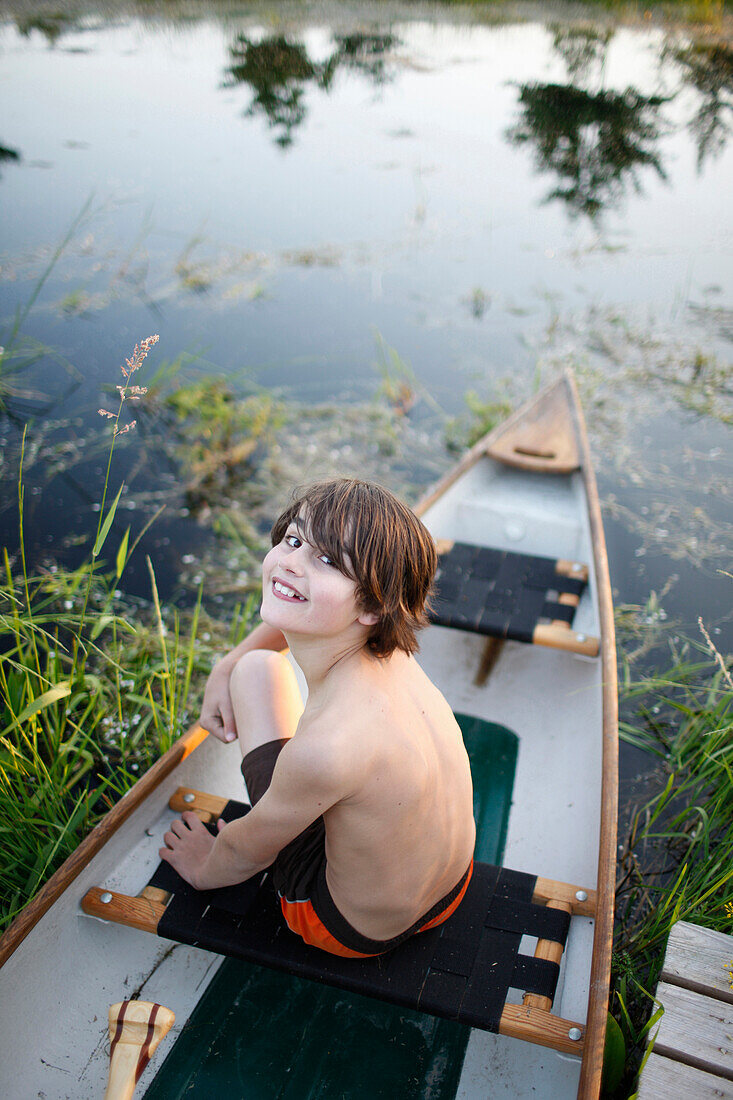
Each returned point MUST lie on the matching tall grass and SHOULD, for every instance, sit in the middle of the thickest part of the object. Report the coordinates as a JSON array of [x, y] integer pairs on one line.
[[677, 863], [92, 689]]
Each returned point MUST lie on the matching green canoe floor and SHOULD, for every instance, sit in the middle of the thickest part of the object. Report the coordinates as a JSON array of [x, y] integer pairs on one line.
[[260, 1034]]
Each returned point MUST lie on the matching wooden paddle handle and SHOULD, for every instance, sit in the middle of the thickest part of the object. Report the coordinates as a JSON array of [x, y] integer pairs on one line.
[[135, 1030]]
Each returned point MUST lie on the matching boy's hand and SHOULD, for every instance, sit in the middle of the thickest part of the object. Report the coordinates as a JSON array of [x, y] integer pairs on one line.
[[217, 713], [188, 846]]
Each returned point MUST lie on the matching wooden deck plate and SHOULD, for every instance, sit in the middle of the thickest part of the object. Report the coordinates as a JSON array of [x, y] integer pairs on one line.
[[692, 1052], [664, 1079], [542, 438], [695, 958], [696, 1030]]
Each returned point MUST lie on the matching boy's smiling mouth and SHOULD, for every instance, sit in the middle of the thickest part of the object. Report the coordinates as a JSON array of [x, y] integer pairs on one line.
[[285, 592]]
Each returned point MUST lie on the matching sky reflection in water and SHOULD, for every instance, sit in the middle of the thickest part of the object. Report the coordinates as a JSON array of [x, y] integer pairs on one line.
[[275, 189]]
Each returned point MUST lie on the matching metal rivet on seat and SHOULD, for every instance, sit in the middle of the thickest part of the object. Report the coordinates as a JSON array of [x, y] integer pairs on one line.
[[575, 1033], [105, 898], [581, 895], [580, 637], [577, 567], [189, 797]]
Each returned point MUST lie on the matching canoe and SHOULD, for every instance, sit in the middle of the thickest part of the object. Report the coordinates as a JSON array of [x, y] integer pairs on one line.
[[539, 716]]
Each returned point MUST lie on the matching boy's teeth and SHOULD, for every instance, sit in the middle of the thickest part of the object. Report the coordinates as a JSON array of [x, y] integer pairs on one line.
[[286, 591]]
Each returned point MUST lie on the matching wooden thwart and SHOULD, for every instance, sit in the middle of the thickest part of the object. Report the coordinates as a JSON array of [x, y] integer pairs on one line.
[[532, 1020], [555, 634], [531, 1023], [552, 952], [207, 806]]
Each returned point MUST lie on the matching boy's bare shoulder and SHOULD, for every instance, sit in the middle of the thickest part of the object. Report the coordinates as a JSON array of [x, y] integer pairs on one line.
[[336, 737]]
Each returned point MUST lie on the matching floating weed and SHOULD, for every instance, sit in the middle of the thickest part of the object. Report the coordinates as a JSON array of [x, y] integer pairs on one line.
[[326, 256], [218, 431], [76, 303], [478, 301], [399, 383], [484, 413], [707, 12], [642, 628], [195, 278], [637, 379]]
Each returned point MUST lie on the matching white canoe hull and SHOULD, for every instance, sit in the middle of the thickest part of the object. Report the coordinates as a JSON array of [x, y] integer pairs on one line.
[[70, 967]]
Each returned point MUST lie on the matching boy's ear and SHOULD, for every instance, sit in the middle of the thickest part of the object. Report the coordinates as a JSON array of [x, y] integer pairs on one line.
[[368, 618]]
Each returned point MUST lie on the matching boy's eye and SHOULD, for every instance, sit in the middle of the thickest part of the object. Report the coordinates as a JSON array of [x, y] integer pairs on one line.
[[328, 561], [293, 540]]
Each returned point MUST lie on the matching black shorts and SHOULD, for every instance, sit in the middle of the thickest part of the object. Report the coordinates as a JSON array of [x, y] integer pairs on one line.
[[299, 876]]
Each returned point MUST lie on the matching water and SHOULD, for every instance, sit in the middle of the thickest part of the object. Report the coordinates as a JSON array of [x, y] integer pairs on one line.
[[491, 192]]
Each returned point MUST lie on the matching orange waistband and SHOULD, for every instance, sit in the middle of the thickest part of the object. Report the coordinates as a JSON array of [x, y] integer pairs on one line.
[[302, 919]]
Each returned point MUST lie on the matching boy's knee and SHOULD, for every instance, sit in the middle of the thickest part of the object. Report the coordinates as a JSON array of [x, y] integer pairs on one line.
[[257, 666]]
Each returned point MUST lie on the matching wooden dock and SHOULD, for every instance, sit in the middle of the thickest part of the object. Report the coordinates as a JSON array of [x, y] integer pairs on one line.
[[692, 1054]]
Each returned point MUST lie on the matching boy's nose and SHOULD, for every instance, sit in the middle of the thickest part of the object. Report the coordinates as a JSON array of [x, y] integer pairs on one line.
[[293, 563]]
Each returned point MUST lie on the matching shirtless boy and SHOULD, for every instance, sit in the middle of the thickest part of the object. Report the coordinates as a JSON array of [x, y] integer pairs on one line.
[[362, 798]]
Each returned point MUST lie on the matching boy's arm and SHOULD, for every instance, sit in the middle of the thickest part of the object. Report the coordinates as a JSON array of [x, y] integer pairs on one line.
[[217, 713], [305, 783]]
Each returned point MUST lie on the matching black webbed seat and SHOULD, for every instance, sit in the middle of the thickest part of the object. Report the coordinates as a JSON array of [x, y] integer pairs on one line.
[[506, 595], [462, 970]]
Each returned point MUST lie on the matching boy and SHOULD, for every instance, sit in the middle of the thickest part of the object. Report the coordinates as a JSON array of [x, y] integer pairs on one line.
[[362, 798]]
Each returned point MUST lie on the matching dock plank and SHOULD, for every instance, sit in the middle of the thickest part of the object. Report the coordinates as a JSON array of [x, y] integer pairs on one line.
[[663, 1079], [696, 1030], [695, 958]]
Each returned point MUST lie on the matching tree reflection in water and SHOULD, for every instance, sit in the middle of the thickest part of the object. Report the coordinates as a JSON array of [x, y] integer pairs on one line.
[[581, 48], [708, 68], [592, 140], [50, 24], [278, 71], [9, 154]]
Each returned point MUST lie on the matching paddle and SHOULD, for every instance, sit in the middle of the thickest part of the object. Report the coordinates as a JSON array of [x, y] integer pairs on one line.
[[135, 1029]]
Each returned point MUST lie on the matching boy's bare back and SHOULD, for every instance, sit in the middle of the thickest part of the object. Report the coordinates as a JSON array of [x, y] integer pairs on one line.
[[402, 832]]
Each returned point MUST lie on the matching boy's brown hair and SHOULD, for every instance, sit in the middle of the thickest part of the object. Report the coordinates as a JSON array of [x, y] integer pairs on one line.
[[377, 541]]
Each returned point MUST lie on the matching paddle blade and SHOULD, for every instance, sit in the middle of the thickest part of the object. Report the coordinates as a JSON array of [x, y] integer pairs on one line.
[[135, 1030]]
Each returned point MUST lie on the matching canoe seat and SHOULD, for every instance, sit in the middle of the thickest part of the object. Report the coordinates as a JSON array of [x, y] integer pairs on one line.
[[507, 595], [462, 970]]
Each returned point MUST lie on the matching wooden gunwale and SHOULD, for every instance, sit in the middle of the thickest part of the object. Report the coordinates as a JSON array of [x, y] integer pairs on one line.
[[592, 1060], [600, 976], [95, 841]]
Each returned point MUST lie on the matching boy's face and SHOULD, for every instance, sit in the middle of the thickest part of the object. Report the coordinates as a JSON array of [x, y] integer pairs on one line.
[[304, 592]]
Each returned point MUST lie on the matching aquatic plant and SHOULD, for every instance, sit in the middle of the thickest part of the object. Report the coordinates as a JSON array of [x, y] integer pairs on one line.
[[399, 383], [218, 431], [484, 413]]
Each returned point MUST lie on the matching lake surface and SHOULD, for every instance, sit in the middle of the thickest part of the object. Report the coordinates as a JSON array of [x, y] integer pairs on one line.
[[291, 194]]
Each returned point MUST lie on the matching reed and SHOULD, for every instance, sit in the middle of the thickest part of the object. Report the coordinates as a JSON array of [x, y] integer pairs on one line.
[[677, 862], [93, 687]]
